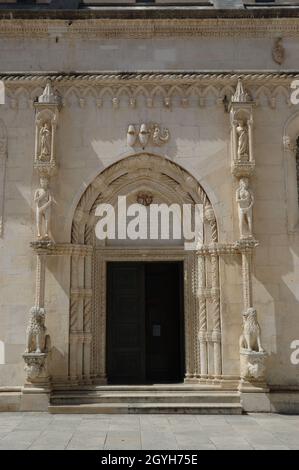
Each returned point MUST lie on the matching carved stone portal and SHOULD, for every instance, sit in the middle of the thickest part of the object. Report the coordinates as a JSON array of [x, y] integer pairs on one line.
[[137, 175]]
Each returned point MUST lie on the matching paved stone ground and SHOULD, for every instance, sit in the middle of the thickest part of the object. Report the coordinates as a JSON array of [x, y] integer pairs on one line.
[[45, 431]]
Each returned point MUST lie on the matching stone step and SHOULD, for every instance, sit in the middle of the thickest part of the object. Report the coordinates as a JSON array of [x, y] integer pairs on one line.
[[77, 398], [148, 408]]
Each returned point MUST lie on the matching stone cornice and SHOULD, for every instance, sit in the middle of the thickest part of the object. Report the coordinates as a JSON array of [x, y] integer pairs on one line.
[[116, 86], [148, 28]]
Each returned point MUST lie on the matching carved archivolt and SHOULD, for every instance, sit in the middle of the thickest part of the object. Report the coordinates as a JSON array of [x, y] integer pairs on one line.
[[172, 179], [88, 273]]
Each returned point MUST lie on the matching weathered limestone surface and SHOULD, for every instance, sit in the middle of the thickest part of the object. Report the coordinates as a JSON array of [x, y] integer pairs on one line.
[[92, 135]]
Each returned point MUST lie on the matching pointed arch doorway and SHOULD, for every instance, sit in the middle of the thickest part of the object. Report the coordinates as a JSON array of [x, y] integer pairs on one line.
[[92, 359]]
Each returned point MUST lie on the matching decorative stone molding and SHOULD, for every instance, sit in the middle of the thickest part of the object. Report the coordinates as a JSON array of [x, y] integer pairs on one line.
[[133, 89], [177, 183], [61, 249], [149, 28], [203, 361], [3, 157]]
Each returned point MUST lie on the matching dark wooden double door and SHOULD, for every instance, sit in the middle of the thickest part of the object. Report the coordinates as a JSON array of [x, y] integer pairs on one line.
[[145, 322]]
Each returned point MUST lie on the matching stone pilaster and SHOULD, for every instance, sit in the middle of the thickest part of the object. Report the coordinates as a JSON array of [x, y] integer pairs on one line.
[[45, 164], [252, 355]]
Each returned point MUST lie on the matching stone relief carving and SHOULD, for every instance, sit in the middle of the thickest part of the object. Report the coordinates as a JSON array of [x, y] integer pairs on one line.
[[241, 117], [186, 89], [36, 331], [47, 107], [245, 201], [36, 368], [147, 133], [45, 137], [131, 135], [144, 198], [251, 336], [278, 51], [243, 141], [160, 137], [43, 202], [144, 135], [252, 366]]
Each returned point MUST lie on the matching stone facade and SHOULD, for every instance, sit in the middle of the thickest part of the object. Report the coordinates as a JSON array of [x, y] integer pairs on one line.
[[73, 89]]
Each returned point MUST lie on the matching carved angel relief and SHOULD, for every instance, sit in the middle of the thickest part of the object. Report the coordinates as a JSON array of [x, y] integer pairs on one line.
[[147, 133]]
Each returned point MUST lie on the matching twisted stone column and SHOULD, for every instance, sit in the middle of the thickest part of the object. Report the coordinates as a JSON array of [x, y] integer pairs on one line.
[[216, 333], [202, 320]]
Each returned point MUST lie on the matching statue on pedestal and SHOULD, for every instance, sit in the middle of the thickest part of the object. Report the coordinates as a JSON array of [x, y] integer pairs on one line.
[[243, 141], [43, 200], [45, 137], [245, 200]]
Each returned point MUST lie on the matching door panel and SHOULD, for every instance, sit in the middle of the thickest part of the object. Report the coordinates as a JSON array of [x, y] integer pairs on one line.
[[144, 322], [162, 309], [125, 323]]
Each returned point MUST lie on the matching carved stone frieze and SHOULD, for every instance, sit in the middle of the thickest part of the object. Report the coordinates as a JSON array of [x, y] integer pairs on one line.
[[187, 89]]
